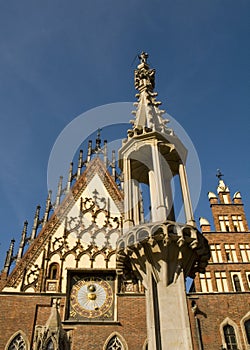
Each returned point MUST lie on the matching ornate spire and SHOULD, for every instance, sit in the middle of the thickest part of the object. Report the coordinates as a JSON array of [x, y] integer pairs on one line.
[[144, 76], [148, 116]]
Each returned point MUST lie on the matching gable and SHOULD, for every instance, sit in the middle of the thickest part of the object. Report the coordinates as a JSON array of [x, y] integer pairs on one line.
[[81, 233]]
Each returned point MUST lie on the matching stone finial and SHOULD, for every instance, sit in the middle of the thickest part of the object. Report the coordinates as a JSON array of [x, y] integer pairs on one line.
[[222, 187], [237, 198], [47, 208], [70, 177], [9, 258], [143, 57], [80, 164], [23, 241], [35, 223], [98, 140], [144, 76], [148, 116], [212, 198], [204, 224], [59, 192]]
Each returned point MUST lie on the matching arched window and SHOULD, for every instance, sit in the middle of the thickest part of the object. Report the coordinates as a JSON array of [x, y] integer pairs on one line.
[[247, 329], [237, 285], [18, 343], [230, 337], [54, 271], [114, 344]]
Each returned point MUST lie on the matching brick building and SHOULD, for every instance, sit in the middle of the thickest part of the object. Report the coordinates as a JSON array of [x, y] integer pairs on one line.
[[93, 273], [220, 300]]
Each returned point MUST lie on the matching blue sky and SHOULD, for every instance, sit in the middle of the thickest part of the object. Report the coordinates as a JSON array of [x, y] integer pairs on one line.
[[60, 58]]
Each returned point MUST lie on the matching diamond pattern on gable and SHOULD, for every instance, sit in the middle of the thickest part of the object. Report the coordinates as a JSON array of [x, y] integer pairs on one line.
[[86, 223]]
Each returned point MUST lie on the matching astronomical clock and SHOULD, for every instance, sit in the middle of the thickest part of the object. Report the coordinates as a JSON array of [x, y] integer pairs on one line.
[[91, 296]]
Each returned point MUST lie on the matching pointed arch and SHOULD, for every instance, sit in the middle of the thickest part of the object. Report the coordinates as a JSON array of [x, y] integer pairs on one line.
[[245, 327], [117, 340], [18, 341], [230, 334]]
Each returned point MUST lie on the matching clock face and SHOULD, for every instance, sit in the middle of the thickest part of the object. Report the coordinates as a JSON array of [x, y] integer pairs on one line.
[[91, 297]]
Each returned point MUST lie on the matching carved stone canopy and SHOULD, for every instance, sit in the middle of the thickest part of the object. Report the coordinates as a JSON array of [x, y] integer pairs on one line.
[[179, 246]]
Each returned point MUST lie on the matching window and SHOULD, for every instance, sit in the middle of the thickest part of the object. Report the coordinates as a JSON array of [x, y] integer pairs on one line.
[[206, 282], [221, 281], [230, 337], [238, 223], [224, 223], [231, 253], [237, 282], [247, 329], [17, 343], [53, 271], [114, 344], [245, 252], [216, 253], [248, 278]]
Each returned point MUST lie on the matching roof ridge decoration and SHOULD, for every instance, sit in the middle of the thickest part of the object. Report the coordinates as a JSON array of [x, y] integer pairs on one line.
[[148, 115]]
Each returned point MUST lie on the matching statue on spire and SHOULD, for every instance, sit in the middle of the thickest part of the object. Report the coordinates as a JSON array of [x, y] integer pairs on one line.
[[144, 76], [143, 57]]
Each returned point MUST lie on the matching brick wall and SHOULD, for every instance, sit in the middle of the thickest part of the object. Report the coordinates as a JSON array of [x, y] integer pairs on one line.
[[213, 309], [23, 312]]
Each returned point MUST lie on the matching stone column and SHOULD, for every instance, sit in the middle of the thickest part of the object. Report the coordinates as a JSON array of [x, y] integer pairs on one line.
[[186, 195], [162, 255], [128, 202], [135, 201], [174, 324], [157, 187]]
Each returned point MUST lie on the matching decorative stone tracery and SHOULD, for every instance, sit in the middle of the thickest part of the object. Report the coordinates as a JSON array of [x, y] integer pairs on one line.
[[90, 234], [17, 342]]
